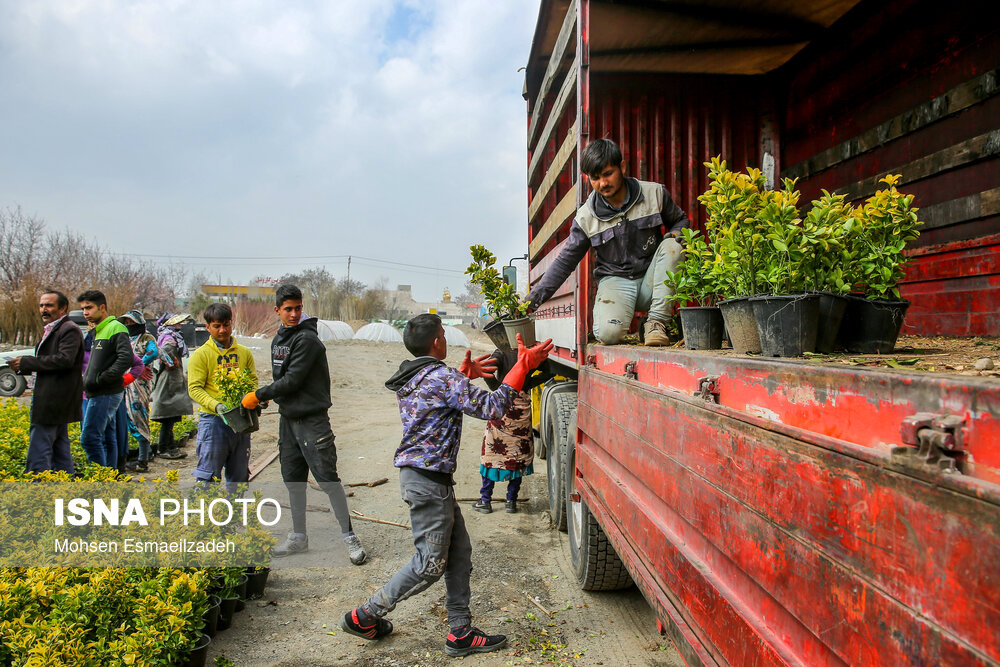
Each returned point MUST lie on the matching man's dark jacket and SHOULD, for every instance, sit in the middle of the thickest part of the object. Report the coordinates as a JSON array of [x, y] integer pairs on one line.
[[111, 357], [58, 368], [301, 373]]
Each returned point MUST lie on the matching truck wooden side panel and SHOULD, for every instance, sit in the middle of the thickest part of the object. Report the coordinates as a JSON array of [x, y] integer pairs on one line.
[[779, 550]]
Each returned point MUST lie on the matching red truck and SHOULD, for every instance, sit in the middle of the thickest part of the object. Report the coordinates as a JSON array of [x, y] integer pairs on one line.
[[781, 511]]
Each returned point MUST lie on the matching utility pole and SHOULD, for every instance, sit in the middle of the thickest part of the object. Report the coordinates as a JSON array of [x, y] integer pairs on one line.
[[348, 270]]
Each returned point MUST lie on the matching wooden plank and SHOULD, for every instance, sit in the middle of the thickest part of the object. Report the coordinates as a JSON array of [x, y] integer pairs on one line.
[[555, 60], [962, 209], [565, 208], [961, 97], [836, 542], [567, 91], [555, 169], [262, 462], [971, 150]]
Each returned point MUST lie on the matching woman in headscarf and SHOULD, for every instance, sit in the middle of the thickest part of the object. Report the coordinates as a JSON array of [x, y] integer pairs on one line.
[[170, 391], [137, 394]]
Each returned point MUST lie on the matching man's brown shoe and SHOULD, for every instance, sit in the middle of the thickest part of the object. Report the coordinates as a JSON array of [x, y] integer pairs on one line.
[[655, 334]]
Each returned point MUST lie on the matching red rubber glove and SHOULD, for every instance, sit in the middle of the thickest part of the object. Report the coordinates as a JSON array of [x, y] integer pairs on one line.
[[128, 379], [480, 367], [147, 374], [528, 359], [250, 401]]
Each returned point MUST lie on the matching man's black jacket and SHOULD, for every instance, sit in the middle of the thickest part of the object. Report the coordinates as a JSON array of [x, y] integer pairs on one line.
[[58, 369], [301, 373]]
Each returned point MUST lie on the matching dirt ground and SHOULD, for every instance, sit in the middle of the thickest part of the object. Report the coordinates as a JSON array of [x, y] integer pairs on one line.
[[514, 556]]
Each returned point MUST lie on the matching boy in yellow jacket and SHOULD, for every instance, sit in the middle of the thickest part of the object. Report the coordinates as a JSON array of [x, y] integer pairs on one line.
[[218, 446]]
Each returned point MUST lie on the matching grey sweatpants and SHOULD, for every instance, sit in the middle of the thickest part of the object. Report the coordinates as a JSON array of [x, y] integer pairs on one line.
[[443, 548]]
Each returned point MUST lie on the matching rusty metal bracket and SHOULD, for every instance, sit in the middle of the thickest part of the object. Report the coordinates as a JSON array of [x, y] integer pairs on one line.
[[935, 441], [630, 371], [708, 389]]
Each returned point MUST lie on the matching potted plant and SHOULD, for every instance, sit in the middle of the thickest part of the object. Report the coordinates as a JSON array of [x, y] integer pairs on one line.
[[233, 386], [502, 301], [234, 583], [732, 203], [887, 222], [787, 317], [693, 282], [829, 269]]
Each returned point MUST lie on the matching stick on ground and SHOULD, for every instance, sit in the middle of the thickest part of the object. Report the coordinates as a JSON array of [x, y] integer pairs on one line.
[[535, 602], [362, 517]]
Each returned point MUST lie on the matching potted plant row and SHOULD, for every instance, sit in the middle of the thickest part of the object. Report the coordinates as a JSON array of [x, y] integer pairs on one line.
[[782, 281], [508, 310]]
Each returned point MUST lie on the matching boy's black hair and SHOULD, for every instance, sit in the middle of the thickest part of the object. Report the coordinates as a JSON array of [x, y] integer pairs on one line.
[[61, 299], [420, 332], [218, 312], [598, 155], [94, 296], [285, 293]]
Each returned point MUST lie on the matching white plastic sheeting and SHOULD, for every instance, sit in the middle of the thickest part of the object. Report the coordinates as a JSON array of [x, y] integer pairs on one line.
[[379, 332], [334, 330], [454, 336]]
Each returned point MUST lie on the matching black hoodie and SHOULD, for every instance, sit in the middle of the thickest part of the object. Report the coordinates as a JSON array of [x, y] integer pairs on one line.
[[301, 373]]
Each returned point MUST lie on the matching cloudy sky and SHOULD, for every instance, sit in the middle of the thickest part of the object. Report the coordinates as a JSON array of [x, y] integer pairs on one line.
[[391, 130]]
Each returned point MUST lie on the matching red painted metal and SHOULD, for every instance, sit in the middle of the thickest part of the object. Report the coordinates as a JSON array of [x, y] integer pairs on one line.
[[808, 556]]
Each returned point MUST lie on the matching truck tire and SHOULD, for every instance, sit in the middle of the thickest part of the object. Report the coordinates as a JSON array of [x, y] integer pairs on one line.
[[11, 384], [562, 410], [595, 562], [546, 429]]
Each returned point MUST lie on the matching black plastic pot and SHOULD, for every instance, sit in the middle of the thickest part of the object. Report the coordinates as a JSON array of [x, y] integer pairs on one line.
[[226, 611], [498, 334], [242, 420], [256, 581], [703, 327], [872, 327], [212, 615], [786, 324], [831, 314], [241, 593], [199, 654], [741, 325]]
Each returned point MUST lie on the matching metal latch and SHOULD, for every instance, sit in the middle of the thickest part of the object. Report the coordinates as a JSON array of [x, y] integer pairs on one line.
[[630, 371], [938, 441], [708, 389], [591, 361]]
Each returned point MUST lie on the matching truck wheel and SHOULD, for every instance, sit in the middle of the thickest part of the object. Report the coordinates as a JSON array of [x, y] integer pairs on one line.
[[562, 409], [595, 562], [11, 384], [547, 432]]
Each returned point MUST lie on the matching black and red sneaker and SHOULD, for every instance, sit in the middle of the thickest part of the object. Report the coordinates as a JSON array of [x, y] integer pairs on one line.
[[466, 640], [362, 625]]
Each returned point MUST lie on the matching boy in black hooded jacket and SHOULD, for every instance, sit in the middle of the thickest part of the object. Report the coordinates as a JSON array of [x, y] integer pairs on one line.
[[301, 388]]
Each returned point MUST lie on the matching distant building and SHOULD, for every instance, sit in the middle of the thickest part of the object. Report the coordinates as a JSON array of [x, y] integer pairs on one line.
[[238, 292], [400, 305]]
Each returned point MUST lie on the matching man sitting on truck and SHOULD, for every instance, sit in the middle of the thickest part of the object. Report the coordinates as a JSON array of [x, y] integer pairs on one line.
[[622, 221]]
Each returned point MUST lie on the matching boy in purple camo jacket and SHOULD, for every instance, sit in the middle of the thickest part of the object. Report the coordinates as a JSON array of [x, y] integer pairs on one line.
[[432, 399]]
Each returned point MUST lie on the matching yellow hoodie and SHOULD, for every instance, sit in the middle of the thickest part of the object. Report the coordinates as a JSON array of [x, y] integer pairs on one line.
[[202, 368]]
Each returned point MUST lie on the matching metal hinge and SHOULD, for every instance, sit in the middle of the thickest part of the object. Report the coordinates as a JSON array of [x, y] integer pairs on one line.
[[630, 371], [708, 389], [938, 441]]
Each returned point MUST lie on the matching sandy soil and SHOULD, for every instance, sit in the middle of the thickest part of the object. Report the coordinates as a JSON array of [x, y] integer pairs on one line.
[[298, 621]]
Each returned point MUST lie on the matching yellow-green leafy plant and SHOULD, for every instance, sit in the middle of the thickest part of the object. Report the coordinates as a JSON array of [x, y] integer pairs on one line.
[[502, 300], [888, 221], [693, 281], [234, 385]]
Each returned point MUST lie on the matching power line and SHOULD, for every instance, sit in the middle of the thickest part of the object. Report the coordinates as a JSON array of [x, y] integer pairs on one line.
[[231, 260]]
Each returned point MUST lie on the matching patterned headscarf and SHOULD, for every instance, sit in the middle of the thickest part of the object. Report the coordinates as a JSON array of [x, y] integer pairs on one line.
[[165, 333]]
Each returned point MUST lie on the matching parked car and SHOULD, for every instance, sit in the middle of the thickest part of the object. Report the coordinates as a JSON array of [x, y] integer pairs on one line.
[[12, 384]]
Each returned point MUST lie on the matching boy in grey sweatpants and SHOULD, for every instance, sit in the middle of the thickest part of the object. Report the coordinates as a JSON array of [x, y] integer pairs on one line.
[[432, 399]]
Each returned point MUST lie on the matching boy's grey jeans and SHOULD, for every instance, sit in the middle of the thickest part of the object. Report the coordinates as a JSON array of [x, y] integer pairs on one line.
[[443, 548], [619, 298]]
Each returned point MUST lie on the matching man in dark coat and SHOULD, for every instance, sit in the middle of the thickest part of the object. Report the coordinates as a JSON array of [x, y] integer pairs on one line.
[[58, 368]]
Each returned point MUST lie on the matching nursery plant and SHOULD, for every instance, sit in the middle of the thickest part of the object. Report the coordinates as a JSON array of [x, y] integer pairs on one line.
[[828, 228], [694, 280], [888, 222], [502, 300], [234, 385], [785, 251]]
